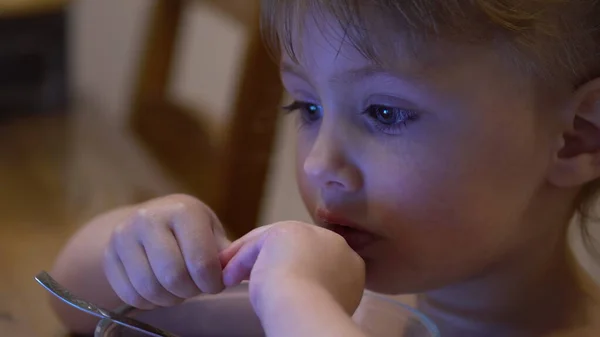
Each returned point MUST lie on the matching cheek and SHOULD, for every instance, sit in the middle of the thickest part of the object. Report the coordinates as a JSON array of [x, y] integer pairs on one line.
[[308, 192], [444, 223], [452, 191]]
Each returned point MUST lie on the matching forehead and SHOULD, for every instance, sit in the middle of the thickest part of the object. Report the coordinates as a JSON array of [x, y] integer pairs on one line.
[[322, 53], [469, 73], [322, 49]]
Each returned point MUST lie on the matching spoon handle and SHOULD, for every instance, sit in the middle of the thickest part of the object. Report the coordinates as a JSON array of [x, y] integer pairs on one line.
[[44, 279]]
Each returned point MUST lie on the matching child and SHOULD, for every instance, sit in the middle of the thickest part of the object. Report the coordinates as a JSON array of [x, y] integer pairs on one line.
[[448, 142]]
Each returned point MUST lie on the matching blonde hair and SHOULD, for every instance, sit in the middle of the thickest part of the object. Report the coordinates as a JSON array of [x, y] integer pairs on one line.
[[546, 37], [555, 40]]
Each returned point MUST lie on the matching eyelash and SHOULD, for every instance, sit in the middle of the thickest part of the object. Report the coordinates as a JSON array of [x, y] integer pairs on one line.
[[402, 116], [405, 116], [301, 107]]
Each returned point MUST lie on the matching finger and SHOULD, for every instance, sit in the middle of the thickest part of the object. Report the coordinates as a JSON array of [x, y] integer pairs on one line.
[[219, 232], [227, 254], [167, 263], [119, 281], [194, 234], [240, 265], [180, 203], [141, 275]]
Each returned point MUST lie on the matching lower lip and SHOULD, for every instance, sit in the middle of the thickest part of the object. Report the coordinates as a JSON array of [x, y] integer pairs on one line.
[[357, 240]]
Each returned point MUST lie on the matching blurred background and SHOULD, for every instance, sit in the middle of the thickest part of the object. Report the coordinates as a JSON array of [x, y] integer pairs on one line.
[[109, 102]]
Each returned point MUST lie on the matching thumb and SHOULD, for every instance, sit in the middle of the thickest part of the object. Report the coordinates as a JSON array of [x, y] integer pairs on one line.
[[239, 258]]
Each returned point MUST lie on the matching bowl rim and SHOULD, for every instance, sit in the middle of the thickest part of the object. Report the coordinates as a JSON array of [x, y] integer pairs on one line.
[[107, 323], [427, 322]]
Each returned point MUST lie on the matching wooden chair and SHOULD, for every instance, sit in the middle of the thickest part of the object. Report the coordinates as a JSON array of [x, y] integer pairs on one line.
[[20, 8], [231, 178]]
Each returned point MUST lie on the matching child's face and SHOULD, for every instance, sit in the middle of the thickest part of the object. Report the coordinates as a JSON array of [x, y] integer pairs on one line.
[[441, 160]]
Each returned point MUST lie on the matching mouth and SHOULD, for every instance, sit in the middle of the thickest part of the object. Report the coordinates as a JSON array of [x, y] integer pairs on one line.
[[357, 238]]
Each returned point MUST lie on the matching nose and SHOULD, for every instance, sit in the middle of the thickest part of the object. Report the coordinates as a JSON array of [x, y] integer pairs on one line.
[[328, 165]]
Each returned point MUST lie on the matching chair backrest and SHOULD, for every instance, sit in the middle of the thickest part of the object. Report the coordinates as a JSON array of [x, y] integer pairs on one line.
[[230, 178], [243, 11]]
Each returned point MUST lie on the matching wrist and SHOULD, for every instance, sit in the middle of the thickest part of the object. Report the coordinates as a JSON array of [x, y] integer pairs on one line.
[[270, 298], [300, 308]]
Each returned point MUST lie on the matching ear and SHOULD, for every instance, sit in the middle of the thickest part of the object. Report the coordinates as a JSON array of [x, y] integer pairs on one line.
[[578, 160]]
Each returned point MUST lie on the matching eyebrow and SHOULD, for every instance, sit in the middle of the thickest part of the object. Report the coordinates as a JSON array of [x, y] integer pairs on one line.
[[348, 75], [292, 69]]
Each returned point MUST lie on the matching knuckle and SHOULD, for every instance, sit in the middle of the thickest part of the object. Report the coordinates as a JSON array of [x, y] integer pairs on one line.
[[183, 202], [141, 213], [293, 231], [121, 230], [289, 228], [148, 212], [141, 218], [202, 267], [173, 279], [117, 239], [145, 219]]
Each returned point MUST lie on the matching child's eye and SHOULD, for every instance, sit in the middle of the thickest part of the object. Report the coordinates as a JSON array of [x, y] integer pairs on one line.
[[309, 112], [389, 119]]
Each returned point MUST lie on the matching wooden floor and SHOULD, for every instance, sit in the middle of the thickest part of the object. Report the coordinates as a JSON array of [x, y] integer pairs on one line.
[[55, 172]]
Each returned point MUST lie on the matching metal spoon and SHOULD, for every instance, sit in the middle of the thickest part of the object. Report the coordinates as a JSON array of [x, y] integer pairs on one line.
[[66, 296]]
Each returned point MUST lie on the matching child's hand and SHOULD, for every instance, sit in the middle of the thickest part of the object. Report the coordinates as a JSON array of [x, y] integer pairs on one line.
[[284, 257], [166, 251]]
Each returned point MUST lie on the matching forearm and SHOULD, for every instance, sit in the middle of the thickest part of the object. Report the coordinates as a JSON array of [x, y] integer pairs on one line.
[[307, 311], [79, 267]]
